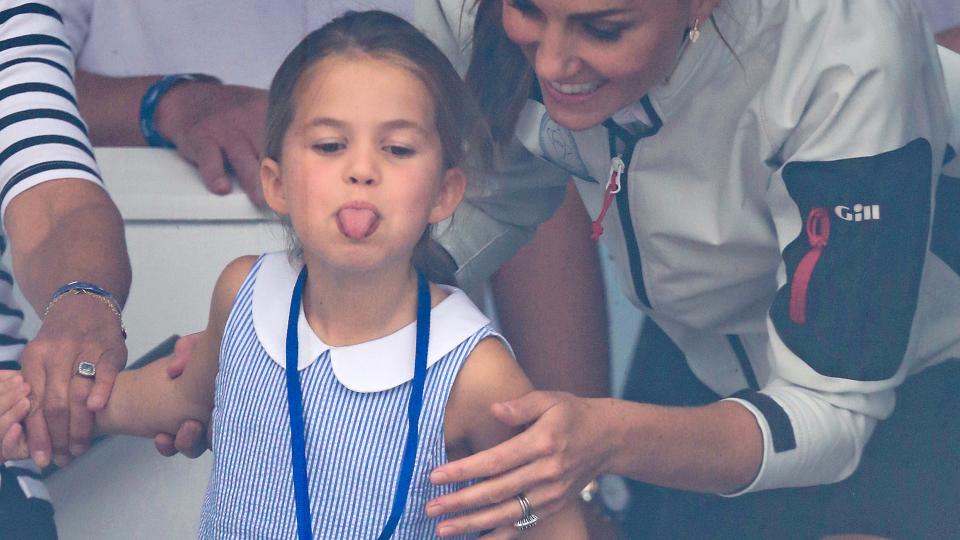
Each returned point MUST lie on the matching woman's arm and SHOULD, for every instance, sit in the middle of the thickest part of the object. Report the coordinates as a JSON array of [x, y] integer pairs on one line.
[[490, 375], [560, 339], [716, 448], [147, 401]]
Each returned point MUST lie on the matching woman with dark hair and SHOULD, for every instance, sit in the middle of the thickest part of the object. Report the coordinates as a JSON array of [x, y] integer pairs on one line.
[[767, 177]]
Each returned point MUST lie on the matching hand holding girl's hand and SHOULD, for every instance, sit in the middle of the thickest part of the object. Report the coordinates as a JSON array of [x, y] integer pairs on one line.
[[561, 452], [14, 406], [79, 327], [190, 439]]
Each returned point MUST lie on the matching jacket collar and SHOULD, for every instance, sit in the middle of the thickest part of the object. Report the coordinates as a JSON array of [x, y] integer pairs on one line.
[[697, 65], [372, 366]]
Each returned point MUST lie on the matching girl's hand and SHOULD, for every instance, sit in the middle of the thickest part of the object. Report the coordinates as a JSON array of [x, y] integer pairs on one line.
[[14, 406], [190, 439], [561, 452]]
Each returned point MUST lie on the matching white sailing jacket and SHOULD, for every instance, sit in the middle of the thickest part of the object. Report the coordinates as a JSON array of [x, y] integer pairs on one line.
[[775, 213]]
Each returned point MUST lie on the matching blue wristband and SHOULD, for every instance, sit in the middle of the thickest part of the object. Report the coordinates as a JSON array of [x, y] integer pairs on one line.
[[151, 98]]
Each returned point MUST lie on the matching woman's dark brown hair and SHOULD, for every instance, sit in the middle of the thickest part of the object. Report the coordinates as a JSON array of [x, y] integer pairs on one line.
[[499, 75]]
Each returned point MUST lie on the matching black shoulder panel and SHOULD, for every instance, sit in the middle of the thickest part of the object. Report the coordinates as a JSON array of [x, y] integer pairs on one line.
[[854, 271], [945, 238]]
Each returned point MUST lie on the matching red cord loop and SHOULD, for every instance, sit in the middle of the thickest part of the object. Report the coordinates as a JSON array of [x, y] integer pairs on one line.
[[818, 232]]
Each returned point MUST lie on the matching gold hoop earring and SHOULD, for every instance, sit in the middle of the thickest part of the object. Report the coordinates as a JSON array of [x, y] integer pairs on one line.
[[694, 33]]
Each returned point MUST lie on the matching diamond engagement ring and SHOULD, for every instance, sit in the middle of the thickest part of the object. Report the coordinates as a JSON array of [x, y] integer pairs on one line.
[[87, 369], [528, 520]]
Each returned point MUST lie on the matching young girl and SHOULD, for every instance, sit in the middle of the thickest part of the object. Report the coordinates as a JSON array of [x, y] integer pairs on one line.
[[341, 376]]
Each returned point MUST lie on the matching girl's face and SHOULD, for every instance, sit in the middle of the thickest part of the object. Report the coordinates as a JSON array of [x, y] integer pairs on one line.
[[361, 173], [594, 57]]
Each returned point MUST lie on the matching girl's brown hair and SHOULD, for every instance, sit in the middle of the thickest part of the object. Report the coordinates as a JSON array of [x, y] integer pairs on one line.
[[381, 35]]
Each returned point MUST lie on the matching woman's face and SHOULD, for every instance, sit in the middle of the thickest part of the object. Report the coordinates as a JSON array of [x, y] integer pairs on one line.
[[594, 57]]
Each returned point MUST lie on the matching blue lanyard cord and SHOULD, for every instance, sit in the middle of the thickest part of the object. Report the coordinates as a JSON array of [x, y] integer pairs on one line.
[[413, 409], [295, 407]]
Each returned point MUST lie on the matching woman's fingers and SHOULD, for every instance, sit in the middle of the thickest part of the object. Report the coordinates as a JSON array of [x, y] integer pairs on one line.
[[504, 457], [544, 501], [525, 409], [509, 454], [108, 367], [502, 533], [545, 475], [81, 424]]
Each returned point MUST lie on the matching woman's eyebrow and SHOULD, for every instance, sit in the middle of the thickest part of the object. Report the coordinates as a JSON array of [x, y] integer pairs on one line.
[[580, 17]]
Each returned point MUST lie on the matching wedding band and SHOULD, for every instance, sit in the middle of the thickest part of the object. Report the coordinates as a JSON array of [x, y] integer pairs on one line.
[[525, 507], [528, 520], [87, 369]]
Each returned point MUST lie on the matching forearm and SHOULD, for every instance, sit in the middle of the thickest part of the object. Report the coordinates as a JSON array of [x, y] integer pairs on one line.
[[67, 230], [560, 339], [147, 401], [111, 107], [717, 448]]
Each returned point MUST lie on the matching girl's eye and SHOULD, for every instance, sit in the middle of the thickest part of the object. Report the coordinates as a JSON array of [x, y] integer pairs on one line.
[[399, 151], [603, 33], [328, 147]]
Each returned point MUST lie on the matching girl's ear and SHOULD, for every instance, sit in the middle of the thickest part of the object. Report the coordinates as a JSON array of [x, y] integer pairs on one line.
[[452, 187], [273, 186]]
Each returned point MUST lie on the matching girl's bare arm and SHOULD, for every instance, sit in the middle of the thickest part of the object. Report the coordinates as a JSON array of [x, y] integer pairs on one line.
[[147, 401]]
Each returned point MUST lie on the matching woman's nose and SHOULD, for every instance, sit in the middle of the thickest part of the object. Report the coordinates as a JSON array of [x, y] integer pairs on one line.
[[556, 57]]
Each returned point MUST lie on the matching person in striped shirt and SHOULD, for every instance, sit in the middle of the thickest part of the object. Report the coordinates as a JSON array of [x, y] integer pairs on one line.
[[67, 248]]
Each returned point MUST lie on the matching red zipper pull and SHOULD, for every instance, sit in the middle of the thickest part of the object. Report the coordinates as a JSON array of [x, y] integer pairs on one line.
[[613, 187], [818, 231]]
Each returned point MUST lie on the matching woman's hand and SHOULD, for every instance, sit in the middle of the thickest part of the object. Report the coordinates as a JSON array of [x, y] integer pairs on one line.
[[79, 327], [564, 448]]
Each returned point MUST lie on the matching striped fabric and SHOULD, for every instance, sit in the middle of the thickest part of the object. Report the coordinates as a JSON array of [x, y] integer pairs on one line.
[[354, 442], [41, 138]]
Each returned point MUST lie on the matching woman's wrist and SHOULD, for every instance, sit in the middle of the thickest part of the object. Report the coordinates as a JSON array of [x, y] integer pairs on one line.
[[610, 433], [716, 448]]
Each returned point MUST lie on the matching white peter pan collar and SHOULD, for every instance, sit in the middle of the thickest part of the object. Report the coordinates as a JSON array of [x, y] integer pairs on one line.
[[372, 366]]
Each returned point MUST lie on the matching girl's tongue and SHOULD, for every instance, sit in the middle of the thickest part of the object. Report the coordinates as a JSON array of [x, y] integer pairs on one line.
[[357, 221]]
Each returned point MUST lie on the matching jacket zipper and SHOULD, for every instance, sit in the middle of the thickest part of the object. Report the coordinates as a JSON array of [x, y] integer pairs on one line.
[[613, 187]]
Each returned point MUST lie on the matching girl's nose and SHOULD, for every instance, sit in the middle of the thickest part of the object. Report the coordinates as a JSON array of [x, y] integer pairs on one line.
[[362, 168], [366, 180]]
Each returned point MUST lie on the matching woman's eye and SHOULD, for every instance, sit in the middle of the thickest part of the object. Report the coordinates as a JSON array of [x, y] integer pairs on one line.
[[328, 147], [399, 151], [524, 6], [602, 33]]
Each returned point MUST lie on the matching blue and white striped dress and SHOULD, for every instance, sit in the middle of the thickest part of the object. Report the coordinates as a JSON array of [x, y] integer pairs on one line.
[[355, 404]]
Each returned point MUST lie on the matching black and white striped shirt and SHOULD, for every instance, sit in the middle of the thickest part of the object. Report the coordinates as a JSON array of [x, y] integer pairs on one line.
[[41, 136]]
